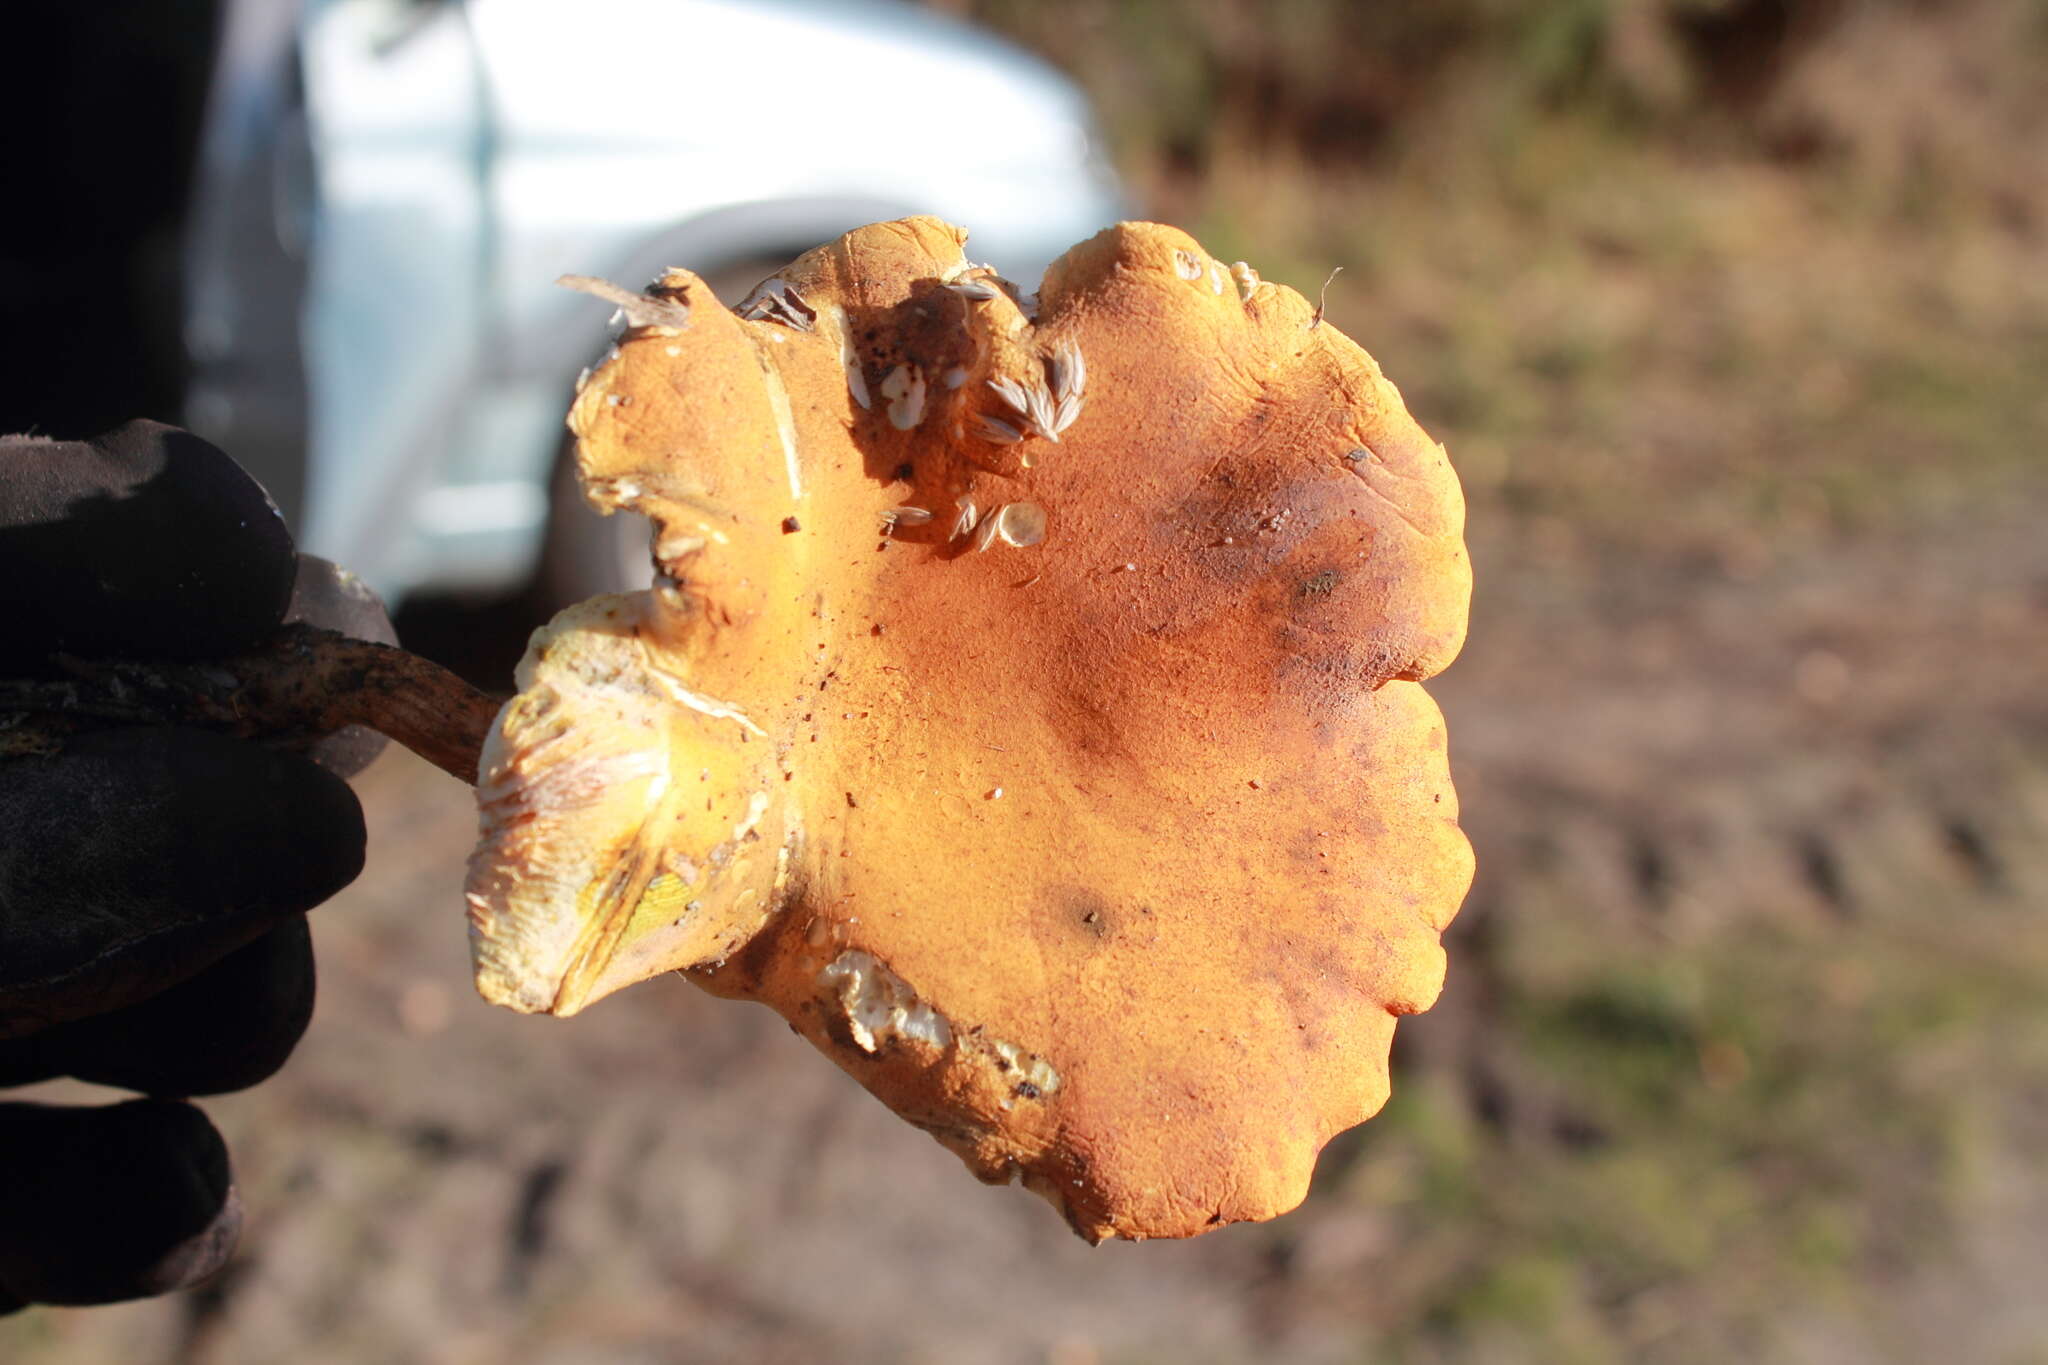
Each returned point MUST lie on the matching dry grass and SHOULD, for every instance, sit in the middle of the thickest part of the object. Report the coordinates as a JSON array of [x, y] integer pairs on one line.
[[1610, 272]]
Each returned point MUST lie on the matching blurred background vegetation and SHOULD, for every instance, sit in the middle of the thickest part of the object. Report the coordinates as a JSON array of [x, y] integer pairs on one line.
[[1734, 317], [1773, 262]]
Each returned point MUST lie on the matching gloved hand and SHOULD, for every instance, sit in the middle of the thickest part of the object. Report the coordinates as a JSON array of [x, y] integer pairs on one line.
[[153, 881]]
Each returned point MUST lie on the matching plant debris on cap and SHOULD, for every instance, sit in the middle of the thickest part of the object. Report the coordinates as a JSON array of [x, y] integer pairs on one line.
[[1171, 562]]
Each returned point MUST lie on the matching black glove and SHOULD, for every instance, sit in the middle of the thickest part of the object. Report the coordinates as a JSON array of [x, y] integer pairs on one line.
[[153, 882]]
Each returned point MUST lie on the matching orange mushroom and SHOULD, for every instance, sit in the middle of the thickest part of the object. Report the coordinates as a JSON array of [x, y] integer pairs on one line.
[[1027, 709]]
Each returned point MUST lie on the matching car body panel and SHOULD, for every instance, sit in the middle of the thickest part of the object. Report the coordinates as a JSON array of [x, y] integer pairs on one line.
[[464, 155]]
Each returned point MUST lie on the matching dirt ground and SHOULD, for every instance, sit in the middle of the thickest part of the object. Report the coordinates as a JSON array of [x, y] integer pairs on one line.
[[1856, 734]]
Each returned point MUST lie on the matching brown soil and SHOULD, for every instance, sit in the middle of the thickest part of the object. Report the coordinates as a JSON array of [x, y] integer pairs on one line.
[[1857, 733]]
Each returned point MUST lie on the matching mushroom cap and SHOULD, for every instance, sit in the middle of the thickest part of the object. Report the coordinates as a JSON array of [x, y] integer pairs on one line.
[[1027, 709]]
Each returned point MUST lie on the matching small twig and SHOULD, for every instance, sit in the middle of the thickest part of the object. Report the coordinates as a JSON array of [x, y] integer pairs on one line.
[[1323, 298], [641, 310], [302, 683]]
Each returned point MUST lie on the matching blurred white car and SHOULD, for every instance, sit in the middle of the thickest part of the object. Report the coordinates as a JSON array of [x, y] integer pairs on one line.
[[389, 188]]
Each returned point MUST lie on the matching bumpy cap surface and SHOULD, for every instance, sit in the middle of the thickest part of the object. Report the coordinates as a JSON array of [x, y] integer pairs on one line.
[[1027, 709]]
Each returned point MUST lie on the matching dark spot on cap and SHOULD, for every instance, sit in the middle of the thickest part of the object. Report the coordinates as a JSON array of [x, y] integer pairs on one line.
[[905, 472], [790, 524], [1090, 912], [1320, 585]]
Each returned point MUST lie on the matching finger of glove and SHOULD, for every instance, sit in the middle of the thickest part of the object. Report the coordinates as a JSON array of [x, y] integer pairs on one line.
[[114, 1203], [227, 1028], [325, 594], [145, 541], [135, 858]]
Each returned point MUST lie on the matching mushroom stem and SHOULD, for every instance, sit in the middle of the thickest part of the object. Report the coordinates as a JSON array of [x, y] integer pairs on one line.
[[303, 682]]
